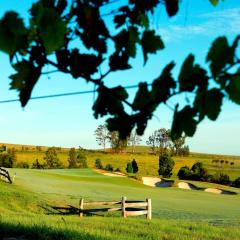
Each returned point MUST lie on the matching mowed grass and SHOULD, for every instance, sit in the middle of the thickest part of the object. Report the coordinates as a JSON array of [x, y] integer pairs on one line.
[[26, 209], [148, 163]]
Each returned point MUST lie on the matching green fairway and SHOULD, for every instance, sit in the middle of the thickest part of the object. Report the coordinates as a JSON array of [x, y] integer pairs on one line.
[[26, 208]]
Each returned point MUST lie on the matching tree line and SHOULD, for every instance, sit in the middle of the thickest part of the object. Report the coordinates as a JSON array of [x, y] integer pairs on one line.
[[159, 141]]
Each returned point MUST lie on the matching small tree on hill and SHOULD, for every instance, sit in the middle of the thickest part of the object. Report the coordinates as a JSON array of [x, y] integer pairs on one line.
[[98, 163], [72, 158], [81, 160], [51, 158], [134, 140], [129, 168], [102, 135], [134, 166], [166, 165]]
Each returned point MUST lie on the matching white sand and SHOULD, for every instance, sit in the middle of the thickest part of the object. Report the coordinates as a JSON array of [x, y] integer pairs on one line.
[[110, 174], [185, 185], [156, 182], [214, 190]]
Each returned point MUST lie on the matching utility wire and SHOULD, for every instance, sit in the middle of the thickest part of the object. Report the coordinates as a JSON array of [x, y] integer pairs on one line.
[[62, 95]]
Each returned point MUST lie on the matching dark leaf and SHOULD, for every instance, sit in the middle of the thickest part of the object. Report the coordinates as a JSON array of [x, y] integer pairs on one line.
[[119, 61], [172, 7], [142, 97], [13, 34], [109, 101], [233, 88], [183, 122], [61, 6], [164, 85], [214, 2], [83, 65], [219, 55], [53, 34], [151, 43], [25, 79]]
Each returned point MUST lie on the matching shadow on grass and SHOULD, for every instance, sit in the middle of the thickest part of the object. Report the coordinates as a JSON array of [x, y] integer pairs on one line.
[[17, 231]]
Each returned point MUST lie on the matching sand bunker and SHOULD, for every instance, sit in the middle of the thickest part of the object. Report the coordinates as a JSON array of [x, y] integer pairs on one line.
[[110, 174], [218, 191], [185, 185], [156, 182]]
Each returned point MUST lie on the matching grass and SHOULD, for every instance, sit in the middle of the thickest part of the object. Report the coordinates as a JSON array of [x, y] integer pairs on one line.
[[26, 213]]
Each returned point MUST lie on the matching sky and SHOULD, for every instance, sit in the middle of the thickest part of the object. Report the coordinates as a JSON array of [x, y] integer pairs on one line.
[[69, 121]]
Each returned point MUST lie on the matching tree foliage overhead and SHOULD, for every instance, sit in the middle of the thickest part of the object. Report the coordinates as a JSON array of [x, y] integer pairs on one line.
[[73, 37]]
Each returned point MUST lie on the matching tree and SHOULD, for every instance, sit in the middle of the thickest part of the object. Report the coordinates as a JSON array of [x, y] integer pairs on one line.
[[166, 165], [129, 168], [102, 135], [134, 166], [8, 159], [98, 163], [184, 173], [178, 144], [81, 161], [134, 140], [51, 158], [34, 47], [72, 158], [160, 139], [117, 144]]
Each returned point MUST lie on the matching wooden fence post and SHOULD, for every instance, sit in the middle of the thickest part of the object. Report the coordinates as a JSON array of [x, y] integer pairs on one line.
[[81, 207], [149, 208], [123, 207]]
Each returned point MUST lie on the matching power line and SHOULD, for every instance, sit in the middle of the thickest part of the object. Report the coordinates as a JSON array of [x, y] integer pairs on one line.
[[61, 95]]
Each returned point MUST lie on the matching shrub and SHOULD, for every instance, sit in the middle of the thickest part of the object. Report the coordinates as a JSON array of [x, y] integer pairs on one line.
[[37, 165], [51, 158], [98, 163], [166, 165], [236, 183], [184, 173], [109, 167], [81, 161], [134, 166], [22, 165], [199, 172], [7, 159], [221, 179], [117, 170], [129, 168]]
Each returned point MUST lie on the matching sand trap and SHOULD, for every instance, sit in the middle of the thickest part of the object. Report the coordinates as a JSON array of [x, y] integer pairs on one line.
[[185, 185], [156, 182], [110, 174], [218, 191]]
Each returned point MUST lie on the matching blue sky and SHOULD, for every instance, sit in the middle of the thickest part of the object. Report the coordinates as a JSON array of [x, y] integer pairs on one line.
[[69, 121]]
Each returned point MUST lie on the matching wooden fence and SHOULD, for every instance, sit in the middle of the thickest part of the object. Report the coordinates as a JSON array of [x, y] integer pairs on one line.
[[128, 208], [5, 173]]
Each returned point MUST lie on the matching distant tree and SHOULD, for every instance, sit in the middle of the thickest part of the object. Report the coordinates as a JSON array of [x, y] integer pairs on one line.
[[51, 158], [184, 173], [102, 135], [226, 162], [134, 166], [129, 168], [72, 158], [159, 140], [178, 144], [7, 160], [134, 140], [166, 165], [109, 167], [222, 162], [199, 172], [232, 163], [81, 159], [153, 142], [117, 144], [37, 165], [236, 183], [39, 148], [98, 163]]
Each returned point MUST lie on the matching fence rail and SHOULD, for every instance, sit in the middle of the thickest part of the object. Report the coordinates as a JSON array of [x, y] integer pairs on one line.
[[127, 208], [5, 173]]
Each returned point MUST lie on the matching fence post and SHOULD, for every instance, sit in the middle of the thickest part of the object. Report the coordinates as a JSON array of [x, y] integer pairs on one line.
[[123, 207], [149, 208], [81, 207]]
